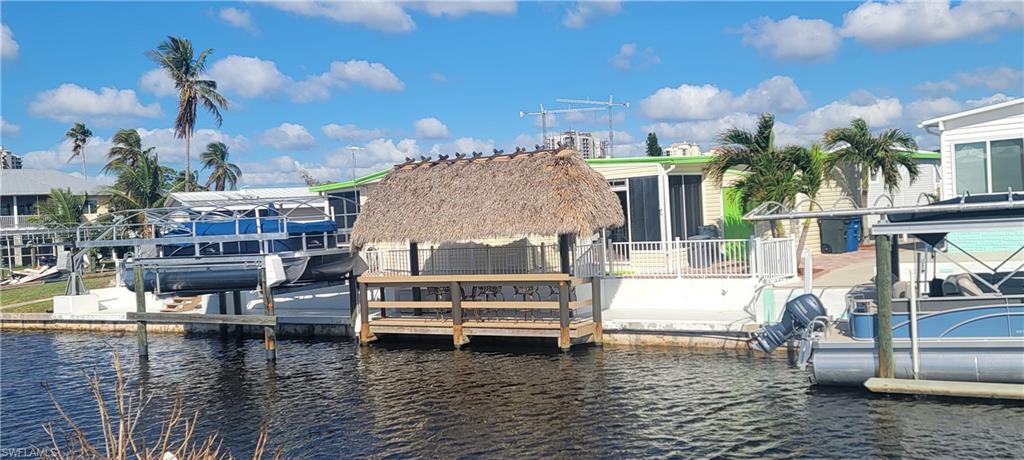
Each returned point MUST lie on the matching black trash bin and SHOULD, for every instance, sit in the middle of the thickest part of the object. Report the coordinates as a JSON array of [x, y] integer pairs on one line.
[[839, 234], [706, 254]]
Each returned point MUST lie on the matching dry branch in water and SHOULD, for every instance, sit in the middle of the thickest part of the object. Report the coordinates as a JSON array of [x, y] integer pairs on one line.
[[122, 423]]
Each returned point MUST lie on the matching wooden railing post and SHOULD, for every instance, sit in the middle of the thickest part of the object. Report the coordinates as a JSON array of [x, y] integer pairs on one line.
[[140, 306], [564, 341], [595, 308], [457, 336], [269, 332]]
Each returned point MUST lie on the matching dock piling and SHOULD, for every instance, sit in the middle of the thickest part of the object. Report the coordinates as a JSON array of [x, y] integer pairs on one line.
[[457, 335], [236, 302], [222, 303], [364, 315], [883, 290], [595, 308], [140, 306], [564, 342], [269, 332]]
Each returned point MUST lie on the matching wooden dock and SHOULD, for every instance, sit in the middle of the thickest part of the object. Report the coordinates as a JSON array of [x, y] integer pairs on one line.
[[449, 316], [946, 388]]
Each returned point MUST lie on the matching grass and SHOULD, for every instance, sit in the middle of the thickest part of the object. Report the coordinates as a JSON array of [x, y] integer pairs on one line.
[[45, 306], [45, 292]]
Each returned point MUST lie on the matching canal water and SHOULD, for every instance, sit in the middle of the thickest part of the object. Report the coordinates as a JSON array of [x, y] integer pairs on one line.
[[332, 399]]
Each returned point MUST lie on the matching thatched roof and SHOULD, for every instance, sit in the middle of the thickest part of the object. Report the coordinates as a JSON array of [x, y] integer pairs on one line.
[[472, 198]]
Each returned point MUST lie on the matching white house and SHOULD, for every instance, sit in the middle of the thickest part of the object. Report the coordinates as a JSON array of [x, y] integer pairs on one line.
[[982, 148]]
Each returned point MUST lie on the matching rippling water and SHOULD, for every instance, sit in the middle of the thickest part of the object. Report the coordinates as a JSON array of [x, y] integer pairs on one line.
[[327, 399]]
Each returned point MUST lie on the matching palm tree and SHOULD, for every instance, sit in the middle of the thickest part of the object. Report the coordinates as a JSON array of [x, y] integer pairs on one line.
[[771, 173], [175, 55], [222, 174], [139, 186], [127, 150], [62, 209], [885, 154], [79, 135], [182, 181]]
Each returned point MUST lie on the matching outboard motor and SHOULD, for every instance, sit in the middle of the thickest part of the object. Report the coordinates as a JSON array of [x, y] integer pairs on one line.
[[798, 315]]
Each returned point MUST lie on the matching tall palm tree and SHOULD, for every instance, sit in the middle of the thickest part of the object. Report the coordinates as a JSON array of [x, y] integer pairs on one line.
[[127, 150], [79, 135], [771, 173], [176, 57], [62, 209], [222, 173], [854, 146]]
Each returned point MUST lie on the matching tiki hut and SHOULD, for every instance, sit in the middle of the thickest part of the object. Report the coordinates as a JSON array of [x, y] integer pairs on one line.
[[472, 198]]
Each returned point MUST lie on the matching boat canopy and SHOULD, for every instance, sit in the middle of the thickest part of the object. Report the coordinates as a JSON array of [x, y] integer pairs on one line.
[[931, 223]]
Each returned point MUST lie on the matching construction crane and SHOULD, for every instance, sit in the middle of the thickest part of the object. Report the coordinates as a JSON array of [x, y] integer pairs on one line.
[[610, 104], [544, 116]]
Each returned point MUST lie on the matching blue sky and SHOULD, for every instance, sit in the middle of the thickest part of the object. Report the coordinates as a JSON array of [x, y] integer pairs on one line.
[[307, 79]]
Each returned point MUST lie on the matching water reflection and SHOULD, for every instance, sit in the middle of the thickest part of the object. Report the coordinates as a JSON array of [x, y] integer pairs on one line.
[[333, 398]]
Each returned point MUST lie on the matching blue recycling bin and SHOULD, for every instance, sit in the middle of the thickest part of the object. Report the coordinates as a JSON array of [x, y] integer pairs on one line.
[[853, 233]]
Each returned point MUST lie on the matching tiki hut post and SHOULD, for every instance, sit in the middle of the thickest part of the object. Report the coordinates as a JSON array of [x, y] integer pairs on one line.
[[563, 252]]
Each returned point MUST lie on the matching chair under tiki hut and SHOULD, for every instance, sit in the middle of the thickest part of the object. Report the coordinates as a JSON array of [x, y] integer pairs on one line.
[[482, 199]]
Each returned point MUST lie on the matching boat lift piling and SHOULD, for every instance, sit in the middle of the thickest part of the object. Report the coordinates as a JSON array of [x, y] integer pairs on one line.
[[883, 289], [269, 331], [140, 306]]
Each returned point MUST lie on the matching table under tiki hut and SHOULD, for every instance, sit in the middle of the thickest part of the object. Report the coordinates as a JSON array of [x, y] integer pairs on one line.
[[477, 199]]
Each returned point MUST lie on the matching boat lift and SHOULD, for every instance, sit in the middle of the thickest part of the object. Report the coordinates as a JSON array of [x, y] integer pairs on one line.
[[929, 223], [176, 247]]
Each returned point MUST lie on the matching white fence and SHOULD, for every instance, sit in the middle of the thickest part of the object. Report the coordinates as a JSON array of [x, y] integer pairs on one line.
[[770, 259]]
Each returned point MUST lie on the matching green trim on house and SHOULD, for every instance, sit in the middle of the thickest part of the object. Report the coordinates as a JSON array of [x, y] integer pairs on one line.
[[665, 160], [350, 183], [701, 159]]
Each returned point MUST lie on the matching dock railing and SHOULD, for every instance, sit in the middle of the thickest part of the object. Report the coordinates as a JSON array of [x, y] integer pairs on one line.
[[768, 259]]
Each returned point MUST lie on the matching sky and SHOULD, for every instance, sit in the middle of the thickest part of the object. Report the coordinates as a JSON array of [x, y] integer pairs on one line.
[[307, 81]]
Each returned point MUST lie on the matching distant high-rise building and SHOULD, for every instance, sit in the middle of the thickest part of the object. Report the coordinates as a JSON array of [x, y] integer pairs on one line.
[[683, 149], [582, 142], [9, 160]]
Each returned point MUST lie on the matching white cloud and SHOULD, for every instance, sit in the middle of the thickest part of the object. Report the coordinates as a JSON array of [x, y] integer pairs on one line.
[[908, 23], [376, 155], [70, 103], [458, 9], [288, 136], [9, 129], [876, 111], [8, 46], [582, 12], [349, 132], [690, 102], [527, 141], [793, 38], [999, 78], [464, 145], [439, 77], [372, 75], [169, 148], [630, 57], [238, 18], [430, 128], [384, 16], [923, 109], [250, 76], [937, 87], [283, 170], [993, 99], [705, 132], [157, 83]]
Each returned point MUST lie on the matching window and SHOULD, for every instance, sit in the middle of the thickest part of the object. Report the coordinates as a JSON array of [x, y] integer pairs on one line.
[[971, 168], [91, 207], [1007, 165], [992, 166]]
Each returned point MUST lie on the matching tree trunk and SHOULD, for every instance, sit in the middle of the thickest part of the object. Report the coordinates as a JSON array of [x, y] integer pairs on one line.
[[188, 164], [85, 171], [802, 243]]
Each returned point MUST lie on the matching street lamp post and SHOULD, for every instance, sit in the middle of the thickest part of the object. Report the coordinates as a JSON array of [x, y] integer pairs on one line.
[[353, 149]]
